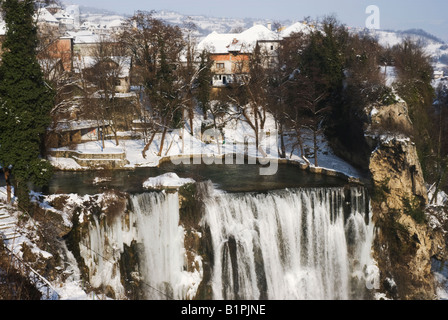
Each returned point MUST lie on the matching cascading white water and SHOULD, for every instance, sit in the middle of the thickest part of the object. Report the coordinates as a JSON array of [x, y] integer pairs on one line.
[[290, 244], [153, 223], [163, 260]]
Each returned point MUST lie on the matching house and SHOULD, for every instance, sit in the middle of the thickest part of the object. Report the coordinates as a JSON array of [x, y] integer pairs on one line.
[[230, 52], [86, 42], [121, 65], [53, 8], [45, 20], [65, 19], [438, 74], [61, 50], [73, 10], [269, 50], [227, 67], [69, 132], [298, 27]]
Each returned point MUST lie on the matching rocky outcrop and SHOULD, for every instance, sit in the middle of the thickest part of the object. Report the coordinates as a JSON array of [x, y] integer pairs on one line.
[[395, 167], [404, 243]]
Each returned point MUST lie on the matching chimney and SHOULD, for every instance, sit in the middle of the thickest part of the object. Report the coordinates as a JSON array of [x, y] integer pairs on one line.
[[269, 26]]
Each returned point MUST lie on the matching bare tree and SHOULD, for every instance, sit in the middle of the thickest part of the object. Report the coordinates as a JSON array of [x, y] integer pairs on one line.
[[285, 91], [189, 70], [249, 90], [156, 48], [109, 62]]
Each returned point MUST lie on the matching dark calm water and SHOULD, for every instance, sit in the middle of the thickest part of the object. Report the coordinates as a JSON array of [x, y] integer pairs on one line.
[[230, 178]]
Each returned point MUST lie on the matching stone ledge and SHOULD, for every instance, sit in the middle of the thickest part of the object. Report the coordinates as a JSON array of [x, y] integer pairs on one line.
[[82, 155]]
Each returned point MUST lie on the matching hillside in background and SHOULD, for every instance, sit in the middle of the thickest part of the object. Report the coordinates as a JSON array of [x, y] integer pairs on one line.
[[435, 47]]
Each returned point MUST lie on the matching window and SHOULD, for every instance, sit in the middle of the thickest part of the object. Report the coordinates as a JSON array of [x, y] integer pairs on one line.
[[220, 65]]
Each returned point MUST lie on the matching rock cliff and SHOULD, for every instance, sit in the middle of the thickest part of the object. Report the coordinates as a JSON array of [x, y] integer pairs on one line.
[[405, 243]]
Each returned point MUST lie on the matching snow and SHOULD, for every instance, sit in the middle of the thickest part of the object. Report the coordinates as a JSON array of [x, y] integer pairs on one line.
[[167, 180], [43, 15], [84, 36], [440, 271], [3, 194], [76, 125], [238, 138], [236, 133], [223, 43], [441, 199], [84, 62], [390, 74], [296, 28], [95, 147], [65, 163]]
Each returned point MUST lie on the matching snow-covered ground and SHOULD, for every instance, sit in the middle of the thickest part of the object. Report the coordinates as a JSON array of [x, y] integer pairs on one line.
[[70, 288], [237, 137]]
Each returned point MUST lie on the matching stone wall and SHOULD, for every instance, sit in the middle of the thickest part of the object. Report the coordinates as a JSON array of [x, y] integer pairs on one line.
[[93, 160]]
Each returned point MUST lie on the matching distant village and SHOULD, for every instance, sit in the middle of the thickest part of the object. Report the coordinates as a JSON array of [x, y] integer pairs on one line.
[[72, 42]]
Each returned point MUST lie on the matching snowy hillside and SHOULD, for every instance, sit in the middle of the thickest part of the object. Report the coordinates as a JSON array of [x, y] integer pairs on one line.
[[434, 47], [207, 25]]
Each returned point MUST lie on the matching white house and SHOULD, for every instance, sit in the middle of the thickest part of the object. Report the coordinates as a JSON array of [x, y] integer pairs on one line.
[[73, 10], [438, 74], [45, 18], [231, 51], [65, 18]]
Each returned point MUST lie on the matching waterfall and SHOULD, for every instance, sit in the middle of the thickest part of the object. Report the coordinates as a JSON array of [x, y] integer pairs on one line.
[[312, 243], [152, 222], [162, 239], [290, 244]]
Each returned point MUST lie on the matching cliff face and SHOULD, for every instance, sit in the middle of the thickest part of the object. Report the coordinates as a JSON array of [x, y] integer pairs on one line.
[[405, 243]]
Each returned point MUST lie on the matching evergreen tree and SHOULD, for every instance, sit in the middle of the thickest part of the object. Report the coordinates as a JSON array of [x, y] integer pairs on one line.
[[203, 81], [25, 101], [414, 70]]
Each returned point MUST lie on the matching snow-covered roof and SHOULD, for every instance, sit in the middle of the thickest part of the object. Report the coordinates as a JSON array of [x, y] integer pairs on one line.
[[295, 28], [89, 61], [116, 23], [242, 42], [65, 126], [63, 15], [43, 15], [53, 6], [84, 36]]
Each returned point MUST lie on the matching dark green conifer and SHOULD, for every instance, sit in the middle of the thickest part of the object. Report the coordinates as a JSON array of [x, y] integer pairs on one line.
[[203, 82], [25, 101]]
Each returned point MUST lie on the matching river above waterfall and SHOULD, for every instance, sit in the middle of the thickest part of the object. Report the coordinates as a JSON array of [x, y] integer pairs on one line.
[[230, 178]]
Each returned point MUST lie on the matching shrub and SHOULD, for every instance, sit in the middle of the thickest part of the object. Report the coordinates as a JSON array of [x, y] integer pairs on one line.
[[413, 207]]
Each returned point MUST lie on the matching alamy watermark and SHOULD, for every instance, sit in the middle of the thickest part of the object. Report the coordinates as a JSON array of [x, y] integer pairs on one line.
[[373, 20], [219, 151]]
